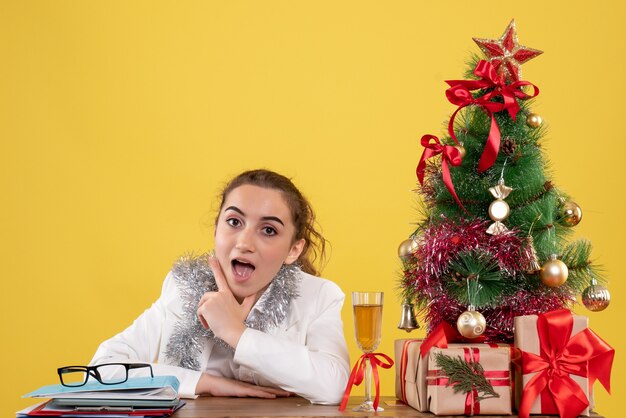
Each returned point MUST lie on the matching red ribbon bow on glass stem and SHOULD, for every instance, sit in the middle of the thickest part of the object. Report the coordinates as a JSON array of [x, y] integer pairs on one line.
[[358, 372], [460, 94], [449, 155], [585, 354]]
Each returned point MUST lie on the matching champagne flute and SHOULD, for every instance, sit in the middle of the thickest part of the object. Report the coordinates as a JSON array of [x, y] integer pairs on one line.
[[368, 315]]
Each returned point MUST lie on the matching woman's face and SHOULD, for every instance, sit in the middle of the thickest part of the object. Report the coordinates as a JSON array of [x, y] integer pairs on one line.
[[253, 238]]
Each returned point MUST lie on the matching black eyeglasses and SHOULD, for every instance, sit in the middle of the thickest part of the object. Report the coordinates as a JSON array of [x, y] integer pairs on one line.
[[107, 373]]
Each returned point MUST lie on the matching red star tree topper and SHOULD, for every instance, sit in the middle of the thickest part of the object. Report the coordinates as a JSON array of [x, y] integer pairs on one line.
[[506, 54]]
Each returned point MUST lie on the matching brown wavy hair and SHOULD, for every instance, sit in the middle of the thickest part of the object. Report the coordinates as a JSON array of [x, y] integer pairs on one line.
[[314, 251]]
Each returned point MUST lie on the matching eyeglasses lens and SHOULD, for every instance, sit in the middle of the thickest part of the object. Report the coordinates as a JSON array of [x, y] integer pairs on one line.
[[74, 377], [112, 373]]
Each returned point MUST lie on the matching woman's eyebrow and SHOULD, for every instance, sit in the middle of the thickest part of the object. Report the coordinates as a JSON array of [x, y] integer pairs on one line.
[[272, 218], [264, 218], [236, 209]]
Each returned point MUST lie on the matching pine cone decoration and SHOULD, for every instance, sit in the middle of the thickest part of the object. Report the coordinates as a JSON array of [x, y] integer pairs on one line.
[[508, 147]]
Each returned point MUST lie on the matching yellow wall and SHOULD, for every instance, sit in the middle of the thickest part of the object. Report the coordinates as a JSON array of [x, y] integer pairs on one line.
[[119, 122]]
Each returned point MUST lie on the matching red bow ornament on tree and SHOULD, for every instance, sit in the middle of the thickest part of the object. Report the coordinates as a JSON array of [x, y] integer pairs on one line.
[[449, 155], [460, 94], [585, 354], [442, 335]]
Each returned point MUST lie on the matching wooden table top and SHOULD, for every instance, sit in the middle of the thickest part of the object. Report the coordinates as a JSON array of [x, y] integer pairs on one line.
[[206, 407]]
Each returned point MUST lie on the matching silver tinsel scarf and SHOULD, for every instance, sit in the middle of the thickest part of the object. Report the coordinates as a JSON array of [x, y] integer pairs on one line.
[[194, 277]]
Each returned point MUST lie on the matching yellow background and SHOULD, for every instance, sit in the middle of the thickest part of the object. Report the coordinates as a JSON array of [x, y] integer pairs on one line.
[[120, 121]]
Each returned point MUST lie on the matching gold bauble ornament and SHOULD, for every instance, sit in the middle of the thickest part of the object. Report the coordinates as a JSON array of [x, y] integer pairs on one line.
[[407, 248], [461, 149], [554, 272], [596, 297], [471, 324], [570, 213], [533, 120]]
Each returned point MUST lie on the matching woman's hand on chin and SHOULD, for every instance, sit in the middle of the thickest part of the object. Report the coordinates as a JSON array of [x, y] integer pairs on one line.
[[223, 386], [220, 310]]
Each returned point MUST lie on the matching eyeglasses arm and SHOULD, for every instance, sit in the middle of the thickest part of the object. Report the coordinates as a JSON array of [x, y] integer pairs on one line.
[[141, 365]]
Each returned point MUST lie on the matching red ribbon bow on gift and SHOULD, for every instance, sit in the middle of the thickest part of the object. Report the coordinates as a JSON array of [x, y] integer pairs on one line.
[[358, 372], [585, 354], [460, 94], [443, 334], [449, 155]]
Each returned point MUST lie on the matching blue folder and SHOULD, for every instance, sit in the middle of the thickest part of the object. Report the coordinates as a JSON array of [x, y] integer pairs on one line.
[[152, 388]]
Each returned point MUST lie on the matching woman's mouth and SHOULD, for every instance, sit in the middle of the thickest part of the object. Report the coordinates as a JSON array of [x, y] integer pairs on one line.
[[242, 270]]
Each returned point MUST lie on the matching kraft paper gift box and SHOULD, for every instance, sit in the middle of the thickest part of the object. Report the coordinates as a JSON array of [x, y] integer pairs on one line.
[[411, 370], [411, 373], [527, 339], [496, 362]]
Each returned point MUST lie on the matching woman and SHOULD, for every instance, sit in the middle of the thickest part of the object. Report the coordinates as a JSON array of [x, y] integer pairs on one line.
[[252, 319]]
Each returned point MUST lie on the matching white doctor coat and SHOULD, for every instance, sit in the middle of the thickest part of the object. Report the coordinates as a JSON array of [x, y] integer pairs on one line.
[[306, 354]]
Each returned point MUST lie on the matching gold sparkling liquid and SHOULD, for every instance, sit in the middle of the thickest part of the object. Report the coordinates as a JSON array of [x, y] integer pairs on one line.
[[367, 326]]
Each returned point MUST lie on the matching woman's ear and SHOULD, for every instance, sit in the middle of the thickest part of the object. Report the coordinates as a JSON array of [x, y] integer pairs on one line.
[[295, 251]]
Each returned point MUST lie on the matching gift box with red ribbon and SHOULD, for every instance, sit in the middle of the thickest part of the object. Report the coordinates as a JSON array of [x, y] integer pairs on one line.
[[560, 360], [411, 370], [411, 356], [485, 373]]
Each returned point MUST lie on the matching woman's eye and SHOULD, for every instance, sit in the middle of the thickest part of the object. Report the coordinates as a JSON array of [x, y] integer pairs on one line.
[[233, 222], [269, 231]]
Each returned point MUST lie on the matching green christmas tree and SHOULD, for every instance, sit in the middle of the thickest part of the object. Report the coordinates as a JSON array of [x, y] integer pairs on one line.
[[493, 243]]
